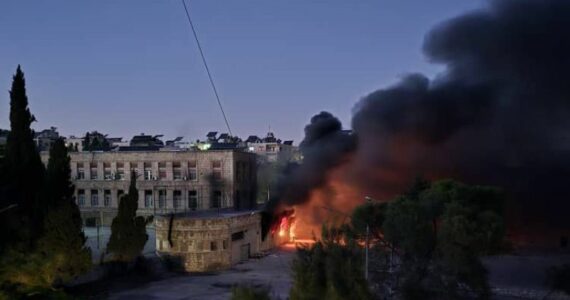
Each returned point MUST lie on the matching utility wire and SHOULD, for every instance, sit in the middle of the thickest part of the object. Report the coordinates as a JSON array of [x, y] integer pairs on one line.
[[206, 66]]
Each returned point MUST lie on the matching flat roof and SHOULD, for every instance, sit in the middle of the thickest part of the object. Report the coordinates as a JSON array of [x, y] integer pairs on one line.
[[221, 213]]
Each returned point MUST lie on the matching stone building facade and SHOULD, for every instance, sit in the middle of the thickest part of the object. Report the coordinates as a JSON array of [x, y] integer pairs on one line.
[[167, 181], [209, 241]]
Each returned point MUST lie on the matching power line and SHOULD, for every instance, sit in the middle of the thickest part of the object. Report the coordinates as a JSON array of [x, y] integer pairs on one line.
[[206, 66]]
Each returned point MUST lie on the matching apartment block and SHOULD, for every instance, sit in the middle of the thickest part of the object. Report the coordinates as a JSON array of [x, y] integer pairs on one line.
[[167, 181]]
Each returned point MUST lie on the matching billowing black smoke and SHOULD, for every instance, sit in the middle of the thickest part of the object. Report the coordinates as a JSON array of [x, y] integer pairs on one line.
[[324, 147], [499, 114]]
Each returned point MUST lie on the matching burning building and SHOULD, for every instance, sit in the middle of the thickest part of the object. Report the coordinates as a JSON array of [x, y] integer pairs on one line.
[[499, 114]]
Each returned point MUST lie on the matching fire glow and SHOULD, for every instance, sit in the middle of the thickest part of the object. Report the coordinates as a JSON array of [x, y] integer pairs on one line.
[[284, 227], [330, 204]]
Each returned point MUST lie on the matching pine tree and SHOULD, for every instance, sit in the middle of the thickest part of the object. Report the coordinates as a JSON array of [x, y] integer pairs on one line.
[[128, 231], [22, 173]]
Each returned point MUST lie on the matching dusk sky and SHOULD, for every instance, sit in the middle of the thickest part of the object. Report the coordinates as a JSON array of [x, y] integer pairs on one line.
[[126, 67]]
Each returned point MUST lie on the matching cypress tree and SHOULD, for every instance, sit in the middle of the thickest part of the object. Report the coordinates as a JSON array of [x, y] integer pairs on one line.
[[60, 253], [59, 189], [22, 172], [63, 243], [128, 231]]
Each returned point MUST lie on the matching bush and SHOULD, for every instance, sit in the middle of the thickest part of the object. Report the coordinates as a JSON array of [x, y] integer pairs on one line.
[[250, 293]]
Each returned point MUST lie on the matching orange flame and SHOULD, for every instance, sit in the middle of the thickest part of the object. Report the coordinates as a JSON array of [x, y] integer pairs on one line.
[[329, 204]]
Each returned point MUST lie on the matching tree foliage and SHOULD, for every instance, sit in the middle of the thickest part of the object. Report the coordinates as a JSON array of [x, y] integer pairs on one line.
[[558, 278], [59, 254], [438, 232], [63, 243], [128, 231], [250, 293], [332, 268], [21, 175], [95, 142]]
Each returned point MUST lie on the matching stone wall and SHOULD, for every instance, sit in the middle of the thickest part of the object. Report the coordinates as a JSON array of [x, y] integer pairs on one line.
[[205, 243]]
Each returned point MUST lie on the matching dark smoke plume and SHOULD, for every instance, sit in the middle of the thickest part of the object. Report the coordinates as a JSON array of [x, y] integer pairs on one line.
[[499, 114], [324, 147]]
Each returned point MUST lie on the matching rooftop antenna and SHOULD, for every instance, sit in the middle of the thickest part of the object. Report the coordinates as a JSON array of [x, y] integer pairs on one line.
[[206, 66]]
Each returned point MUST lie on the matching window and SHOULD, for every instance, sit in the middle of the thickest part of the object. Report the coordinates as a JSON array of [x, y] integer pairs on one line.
[[217, 169], [107, 198], [94, 198], [217, 199], [161, 198], [148, 198], [192, 171], [147, 171], [80, 171], [225, 244], [107, 171], [192, 200], [236, 236], [80, 197], [93, 171], [213, 246], [120, 171], [162, 170], [177, 170], [177, 199]]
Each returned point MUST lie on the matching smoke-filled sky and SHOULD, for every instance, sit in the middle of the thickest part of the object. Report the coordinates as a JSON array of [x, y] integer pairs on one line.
[[131, 66], [498, 113]]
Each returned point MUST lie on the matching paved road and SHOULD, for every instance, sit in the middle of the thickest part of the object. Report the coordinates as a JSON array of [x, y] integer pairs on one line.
[[273, 271]]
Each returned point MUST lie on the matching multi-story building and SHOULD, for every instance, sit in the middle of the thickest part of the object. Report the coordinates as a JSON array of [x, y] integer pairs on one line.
[[270, 148], [75, 143], [167, 181], [45, 138]]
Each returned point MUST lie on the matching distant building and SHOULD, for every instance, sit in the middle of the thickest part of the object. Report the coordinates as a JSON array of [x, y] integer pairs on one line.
[[168, 181], [271, 148], [45, 138], [116, 142], [222, 142], [75, 143]]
